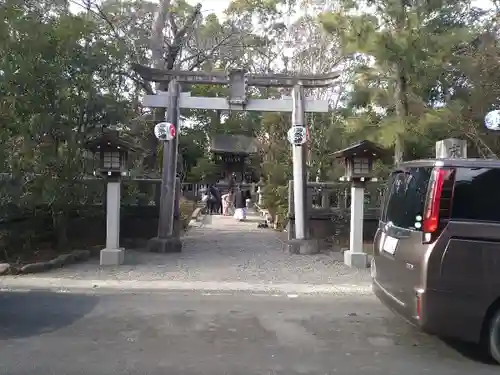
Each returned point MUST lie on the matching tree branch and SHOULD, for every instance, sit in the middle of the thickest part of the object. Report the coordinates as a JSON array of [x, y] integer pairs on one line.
[[180, 37], [202, 56], [173, 25], [146, 86], [157, 34]]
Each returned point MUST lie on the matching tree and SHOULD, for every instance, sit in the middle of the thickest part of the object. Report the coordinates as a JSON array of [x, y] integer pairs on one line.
[[178, 37], [410, 44], [55, 88]]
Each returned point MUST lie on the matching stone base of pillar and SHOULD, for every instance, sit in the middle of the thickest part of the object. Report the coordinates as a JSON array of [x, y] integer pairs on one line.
[[112, 257], [356, 260], [305, 247], [165, 245]]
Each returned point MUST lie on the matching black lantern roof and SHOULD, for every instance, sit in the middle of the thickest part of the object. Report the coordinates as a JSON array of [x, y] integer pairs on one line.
[[364, 149], [111, 138], [233, 144]]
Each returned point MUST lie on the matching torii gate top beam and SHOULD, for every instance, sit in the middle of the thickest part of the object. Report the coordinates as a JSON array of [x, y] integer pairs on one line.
[[222, 78]]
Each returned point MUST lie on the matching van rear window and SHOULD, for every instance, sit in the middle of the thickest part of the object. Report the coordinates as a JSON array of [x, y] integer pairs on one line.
[[405, 197], [476, 196]]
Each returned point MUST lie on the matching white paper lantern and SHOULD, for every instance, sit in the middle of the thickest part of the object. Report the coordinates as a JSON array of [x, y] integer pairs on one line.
[[492, 120]]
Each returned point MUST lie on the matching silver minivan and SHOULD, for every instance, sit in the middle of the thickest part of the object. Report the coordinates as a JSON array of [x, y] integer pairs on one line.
[[437, 248]]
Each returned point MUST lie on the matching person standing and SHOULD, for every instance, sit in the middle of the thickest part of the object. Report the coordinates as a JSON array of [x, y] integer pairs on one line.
[[232, 182], [227, 201], [248, 199], [204, 200], [217, 202], [230, 200], [224, 204], [240, 204]]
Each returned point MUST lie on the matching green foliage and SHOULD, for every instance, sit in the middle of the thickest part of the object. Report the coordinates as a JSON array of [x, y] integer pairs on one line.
[[413, 86], [206, 171], [55, 88], [412, 73], [192, 146], [187, 208], [275, 199]]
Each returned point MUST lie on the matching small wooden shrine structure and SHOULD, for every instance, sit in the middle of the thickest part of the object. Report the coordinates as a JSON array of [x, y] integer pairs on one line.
[[233, 153]]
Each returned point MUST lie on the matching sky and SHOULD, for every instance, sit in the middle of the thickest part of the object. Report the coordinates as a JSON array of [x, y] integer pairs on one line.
[[218, 6], [208, 6], [483, 4], [211, 6]]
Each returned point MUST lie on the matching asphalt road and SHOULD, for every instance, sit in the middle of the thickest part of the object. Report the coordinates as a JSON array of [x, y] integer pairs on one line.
[[46, 333]]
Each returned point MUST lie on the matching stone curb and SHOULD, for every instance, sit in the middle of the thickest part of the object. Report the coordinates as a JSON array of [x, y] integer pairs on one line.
[[58, 284], [196, 213], [58, 262]]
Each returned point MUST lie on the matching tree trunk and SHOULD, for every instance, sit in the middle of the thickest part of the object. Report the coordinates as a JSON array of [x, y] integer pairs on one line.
[[162, 60], [157, 35], [401, 92], [59, 221], [158, 62], [402, 112]]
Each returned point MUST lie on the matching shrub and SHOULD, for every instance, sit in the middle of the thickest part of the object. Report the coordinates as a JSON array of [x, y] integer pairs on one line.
[[275, 199], [186, 210]]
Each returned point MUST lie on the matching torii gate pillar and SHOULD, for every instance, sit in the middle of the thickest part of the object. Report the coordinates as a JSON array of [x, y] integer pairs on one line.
[[167, 240]]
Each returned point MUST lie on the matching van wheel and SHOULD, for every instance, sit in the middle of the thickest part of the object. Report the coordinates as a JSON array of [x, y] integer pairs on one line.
[[493, 338]]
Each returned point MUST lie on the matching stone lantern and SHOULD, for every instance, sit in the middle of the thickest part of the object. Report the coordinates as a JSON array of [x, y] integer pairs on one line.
[[260, 192], [358, 160], [110, 152]]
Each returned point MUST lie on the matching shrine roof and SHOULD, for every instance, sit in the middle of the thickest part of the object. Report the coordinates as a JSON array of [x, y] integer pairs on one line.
[[234, 144], [111, 137], [360, 149]]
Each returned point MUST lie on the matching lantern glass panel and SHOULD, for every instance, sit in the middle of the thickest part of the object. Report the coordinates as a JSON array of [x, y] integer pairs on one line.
[[112, 160], [361, 166]]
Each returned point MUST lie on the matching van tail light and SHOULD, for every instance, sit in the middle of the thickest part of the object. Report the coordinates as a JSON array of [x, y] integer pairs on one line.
[[433, 211], [431, 214]]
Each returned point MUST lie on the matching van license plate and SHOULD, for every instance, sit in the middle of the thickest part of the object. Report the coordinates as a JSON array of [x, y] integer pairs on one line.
[[390, 244]]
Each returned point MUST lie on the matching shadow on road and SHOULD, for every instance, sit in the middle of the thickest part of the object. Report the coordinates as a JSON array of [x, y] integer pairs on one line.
[[25, 314], [473, 352]]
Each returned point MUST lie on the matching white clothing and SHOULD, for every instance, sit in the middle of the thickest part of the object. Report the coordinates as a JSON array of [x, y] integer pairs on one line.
[[240, 213]]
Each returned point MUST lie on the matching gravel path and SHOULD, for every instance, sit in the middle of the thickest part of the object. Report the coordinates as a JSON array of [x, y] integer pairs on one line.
[[222, 250]]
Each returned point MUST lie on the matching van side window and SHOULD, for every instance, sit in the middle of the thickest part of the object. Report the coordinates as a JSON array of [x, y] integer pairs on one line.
[[476, 196], [405, 198]]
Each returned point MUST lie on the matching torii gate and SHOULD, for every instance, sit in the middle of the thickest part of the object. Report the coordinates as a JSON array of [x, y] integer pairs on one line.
[[238, 81]]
